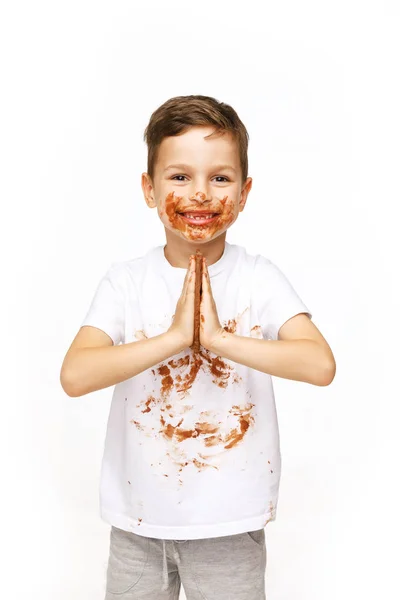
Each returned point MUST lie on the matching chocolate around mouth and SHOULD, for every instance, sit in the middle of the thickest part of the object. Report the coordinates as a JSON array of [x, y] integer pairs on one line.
[[201, 222], [198, 213]]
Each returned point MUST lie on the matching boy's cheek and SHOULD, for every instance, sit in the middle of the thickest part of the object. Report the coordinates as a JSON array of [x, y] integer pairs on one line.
[[229, 213], [172, 204]]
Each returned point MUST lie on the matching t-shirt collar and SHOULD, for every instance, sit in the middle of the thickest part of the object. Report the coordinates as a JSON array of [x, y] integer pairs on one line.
[[213, 269]]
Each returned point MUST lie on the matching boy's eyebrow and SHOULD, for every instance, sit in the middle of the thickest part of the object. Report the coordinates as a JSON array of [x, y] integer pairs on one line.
[[216, 168]]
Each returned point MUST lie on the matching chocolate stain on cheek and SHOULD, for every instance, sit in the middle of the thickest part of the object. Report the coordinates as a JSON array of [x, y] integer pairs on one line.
[[171, 202]]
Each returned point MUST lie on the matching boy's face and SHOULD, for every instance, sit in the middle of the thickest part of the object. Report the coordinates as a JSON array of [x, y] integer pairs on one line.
[[201, 176]]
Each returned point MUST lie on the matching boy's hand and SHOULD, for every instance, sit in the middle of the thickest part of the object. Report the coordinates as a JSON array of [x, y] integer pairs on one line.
[[210, 327], [183, 324]]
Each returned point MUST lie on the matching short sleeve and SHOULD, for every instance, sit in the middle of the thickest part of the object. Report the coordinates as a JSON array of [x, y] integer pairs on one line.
[[107, 310], [275, 298]]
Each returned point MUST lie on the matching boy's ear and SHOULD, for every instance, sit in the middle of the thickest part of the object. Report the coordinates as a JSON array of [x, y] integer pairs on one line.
[[148, 190], [244, 193]]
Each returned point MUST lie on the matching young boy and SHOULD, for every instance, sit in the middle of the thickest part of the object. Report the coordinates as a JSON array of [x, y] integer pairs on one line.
[[191, 465]]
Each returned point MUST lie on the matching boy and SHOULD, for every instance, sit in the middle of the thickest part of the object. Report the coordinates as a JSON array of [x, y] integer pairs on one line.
[[191, 465]]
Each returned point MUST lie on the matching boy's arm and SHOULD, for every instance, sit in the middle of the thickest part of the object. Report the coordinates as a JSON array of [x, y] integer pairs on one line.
[[301, 353], [93, 363]]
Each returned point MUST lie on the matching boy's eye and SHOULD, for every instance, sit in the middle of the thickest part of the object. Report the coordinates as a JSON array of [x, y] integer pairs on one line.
[[219, 178]]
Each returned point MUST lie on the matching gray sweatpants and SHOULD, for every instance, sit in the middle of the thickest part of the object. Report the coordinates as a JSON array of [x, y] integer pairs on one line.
[[223, 568]]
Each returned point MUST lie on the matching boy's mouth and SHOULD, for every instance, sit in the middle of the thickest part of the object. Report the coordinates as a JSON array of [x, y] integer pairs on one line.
[[198, 217]]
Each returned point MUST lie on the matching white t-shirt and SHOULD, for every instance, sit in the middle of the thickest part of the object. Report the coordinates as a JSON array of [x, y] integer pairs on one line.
[[192, 444]]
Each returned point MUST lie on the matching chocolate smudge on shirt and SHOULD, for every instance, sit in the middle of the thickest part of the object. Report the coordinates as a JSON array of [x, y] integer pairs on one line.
[[231, 326], [180, 375], [256, 331], [245, 420], [150, 400], [167, 383], [139, 334], [181, 362], [138, 425]]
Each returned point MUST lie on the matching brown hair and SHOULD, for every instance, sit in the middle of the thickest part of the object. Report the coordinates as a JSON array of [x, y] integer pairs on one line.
[[178, 114]]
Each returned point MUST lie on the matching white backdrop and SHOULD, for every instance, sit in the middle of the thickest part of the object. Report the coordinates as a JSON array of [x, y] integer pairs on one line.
[[316, 84]]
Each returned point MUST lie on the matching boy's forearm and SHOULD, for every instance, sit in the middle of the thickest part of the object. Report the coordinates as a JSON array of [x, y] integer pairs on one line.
[[91, 369], [300, 360]]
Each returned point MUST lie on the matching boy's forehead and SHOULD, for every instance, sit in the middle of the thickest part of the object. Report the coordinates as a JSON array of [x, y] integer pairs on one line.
[[195, 145]]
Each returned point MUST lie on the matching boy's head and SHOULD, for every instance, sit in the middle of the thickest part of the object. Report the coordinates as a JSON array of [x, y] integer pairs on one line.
[[197, 163]]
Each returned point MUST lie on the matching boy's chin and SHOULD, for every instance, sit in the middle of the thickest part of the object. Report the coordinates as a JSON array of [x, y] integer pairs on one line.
[[195, 237]]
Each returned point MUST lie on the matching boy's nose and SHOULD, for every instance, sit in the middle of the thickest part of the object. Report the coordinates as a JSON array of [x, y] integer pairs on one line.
[[199, 197]]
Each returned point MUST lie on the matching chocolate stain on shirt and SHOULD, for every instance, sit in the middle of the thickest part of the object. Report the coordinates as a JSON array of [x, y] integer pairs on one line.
[[231, 326], [256, 330], [150, 400], [170, 431], [245, 420], [181, 362], [138, 425], [180, 375], [139, 334], [167, 382], [201, 465], [188, 379], [221, 372]]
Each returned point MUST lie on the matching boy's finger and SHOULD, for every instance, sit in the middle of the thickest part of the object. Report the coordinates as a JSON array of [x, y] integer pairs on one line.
[[188, 275], [206, 280], [192, 278]]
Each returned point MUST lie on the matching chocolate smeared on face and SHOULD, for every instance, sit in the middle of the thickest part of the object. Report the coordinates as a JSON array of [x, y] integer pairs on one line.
[[200, 196], [174, 205]]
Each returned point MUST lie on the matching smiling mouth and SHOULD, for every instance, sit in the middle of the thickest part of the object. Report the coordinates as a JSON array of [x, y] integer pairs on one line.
[[198, 218]]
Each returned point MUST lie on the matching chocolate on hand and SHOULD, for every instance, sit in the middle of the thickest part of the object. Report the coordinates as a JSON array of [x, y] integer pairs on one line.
[[197, 296]]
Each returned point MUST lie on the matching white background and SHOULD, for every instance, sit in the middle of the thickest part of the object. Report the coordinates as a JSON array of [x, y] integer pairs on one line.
[[316, 84]]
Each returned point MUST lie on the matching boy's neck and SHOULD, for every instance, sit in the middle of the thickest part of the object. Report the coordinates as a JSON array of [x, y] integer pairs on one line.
[[177, 251]]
